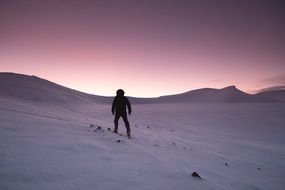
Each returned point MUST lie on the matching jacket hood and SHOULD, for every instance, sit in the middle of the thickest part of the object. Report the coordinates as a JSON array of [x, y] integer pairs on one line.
[[120, 92]]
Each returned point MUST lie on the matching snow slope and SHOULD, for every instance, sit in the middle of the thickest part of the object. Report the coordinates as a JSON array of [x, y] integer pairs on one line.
[[228, 94], [45, 145], [32, 88], [46, 141]]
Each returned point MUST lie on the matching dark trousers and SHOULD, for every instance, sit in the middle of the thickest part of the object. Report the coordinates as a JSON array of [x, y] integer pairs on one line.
[[125, 118]]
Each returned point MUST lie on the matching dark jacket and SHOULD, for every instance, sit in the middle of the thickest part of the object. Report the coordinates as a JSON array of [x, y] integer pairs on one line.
[[119, 105]]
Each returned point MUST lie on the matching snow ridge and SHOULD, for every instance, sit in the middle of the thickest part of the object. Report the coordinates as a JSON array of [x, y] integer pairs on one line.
[[37, 89]]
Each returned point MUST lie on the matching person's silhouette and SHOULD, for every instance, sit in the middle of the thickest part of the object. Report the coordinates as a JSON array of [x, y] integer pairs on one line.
[[119, 105]]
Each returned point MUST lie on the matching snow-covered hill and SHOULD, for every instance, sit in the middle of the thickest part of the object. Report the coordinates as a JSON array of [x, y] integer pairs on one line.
[[49, 144], [228, 94], [32, 88], [37, 89], [271, 96]]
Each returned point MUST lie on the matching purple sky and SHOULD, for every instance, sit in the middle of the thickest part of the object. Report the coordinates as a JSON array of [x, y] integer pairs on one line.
[[148, 48]]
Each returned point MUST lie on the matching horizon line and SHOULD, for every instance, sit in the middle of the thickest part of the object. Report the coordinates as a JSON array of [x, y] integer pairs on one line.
[[90, 93]]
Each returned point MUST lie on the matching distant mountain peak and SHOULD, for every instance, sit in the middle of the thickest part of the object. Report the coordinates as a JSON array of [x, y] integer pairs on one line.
[[232, 87], [33, 88]]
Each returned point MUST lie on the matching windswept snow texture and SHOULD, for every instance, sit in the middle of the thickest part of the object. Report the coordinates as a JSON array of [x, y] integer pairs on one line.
[[46, 141], [46, 145]]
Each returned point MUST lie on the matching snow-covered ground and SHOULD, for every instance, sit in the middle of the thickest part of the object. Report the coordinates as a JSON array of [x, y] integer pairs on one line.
[[46, 146]]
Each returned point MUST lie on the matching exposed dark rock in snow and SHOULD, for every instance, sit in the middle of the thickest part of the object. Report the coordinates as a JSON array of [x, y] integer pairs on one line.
[[99, 129], [195, 174], [94, 125]]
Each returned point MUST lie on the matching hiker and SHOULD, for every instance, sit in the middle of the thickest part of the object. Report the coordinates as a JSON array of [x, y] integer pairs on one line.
[[119, 105]]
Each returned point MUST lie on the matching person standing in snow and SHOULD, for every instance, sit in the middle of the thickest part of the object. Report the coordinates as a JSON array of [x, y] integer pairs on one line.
[[119, 105]]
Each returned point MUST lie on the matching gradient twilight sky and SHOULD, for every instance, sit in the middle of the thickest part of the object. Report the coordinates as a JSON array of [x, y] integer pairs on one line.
[[148, 47]]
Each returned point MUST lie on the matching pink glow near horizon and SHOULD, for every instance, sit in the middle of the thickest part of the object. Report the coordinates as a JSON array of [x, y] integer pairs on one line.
[[147, 49]]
